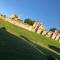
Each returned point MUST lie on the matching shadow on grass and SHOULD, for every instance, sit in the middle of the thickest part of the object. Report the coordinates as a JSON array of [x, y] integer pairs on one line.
[[16, 48], [48, 54], [54, 48]]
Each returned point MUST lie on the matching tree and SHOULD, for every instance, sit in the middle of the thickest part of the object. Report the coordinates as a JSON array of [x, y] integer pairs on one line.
[[4, 15], [53, 29], [29, 21]]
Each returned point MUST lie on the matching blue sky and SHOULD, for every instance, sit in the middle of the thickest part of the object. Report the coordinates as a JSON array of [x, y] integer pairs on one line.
[[45, 11]]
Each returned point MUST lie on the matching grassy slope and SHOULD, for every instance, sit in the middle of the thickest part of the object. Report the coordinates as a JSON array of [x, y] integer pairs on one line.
[[18, 44]]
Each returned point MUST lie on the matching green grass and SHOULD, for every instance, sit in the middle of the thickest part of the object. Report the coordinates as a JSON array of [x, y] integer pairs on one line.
[[18, 44]]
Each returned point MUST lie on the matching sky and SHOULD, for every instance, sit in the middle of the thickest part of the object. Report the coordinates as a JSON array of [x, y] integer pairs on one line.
[[45, 11]]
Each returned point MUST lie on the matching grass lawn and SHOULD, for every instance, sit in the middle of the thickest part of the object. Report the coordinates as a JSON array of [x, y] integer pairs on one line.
[[19, 44]]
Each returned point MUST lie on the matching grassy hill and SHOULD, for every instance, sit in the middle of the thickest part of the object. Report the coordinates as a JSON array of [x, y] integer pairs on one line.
[[19, 44]]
